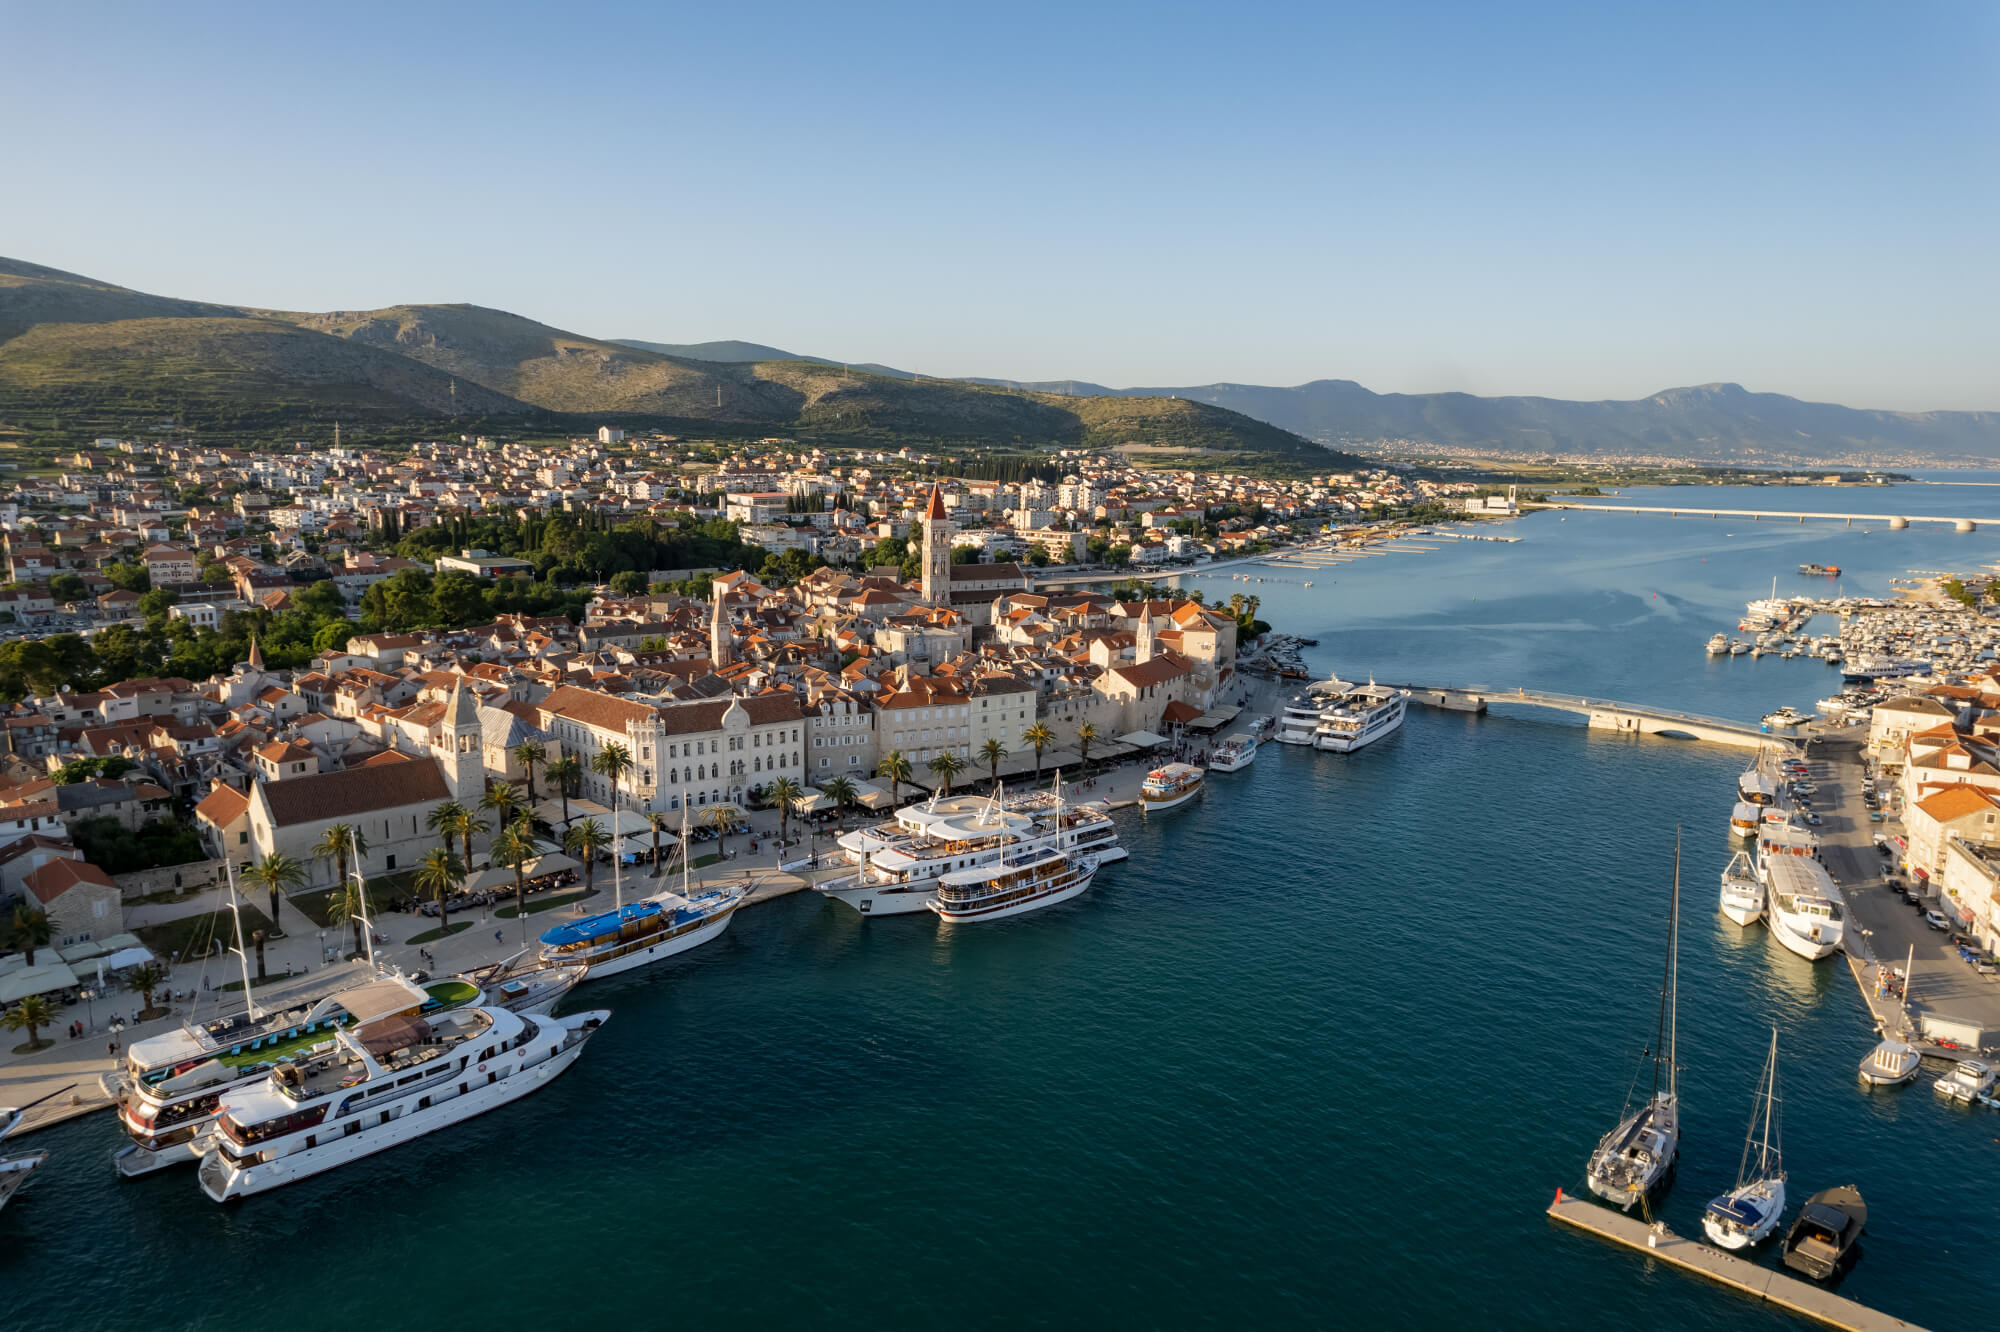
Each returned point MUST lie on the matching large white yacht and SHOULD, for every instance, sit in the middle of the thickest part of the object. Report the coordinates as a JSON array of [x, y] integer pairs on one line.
[[171, 1086], [379, 1084], [1020, 881], [1802, 906], [1298, 719], [898, 863], [1361, 717]]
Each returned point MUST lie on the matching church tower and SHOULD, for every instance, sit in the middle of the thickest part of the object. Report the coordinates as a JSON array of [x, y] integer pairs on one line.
[[462, 745], [721, 647], [1142, 648], [937, 552]]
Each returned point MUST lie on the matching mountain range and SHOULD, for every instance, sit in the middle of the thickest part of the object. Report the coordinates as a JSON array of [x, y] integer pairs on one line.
[[86, 354]]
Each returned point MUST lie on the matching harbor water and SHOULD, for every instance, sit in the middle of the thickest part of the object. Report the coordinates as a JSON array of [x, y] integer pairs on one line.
[[1321, 1051]]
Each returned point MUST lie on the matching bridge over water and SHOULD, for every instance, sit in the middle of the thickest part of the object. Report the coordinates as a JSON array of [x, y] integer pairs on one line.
[[1604, 714], [1894, 521]]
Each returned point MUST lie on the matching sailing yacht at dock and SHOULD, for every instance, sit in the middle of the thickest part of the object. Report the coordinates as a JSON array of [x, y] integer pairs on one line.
[[1748, 1213], [1635, 1158]]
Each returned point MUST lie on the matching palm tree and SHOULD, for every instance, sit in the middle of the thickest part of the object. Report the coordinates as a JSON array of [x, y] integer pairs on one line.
[[946, 765], [993, 751], [564, 772], [895, 765], [33, 1011], [439, 873], [28, 930], [346, 905], [1086, 734], [1041, 737], [528, 753], [277, 873], [337, 843], [257, 938], [657, 820], [784, 793], [146, 978], [719, 818], [503, 802], [514, 848], [843, 794], [612, 763], [447, 820], [584, 841]]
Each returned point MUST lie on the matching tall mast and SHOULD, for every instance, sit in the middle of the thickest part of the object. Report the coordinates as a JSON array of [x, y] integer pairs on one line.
[[361, 895], [1771, 1111], [686, 851], [249, 995], [1908, 968], [617, 851], [1674, 978]]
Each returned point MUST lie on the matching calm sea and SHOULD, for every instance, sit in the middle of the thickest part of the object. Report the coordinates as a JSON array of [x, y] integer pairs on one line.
[[1320, 1051]]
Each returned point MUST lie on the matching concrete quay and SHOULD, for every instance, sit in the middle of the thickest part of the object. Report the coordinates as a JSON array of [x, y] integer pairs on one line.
[[1894, 522]]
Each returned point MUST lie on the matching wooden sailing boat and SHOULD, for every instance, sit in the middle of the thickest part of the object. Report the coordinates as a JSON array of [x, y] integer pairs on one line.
[[1748, 1213], [1635, 1159]]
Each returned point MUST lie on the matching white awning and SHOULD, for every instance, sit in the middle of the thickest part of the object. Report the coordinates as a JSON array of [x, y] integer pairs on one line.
[[1142, 739], [812, 802], [44, 978], [128, 957], [871, 796], [551, 812], [542, 866], [487, 880]]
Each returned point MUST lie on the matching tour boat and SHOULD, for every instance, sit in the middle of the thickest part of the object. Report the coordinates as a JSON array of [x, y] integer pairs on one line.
[[522, 984], [1718, 646], [1756, 789], [1891, 1063], [1634, 1159], [1360, 718], [1297, 719], [1021, 881], [1820, 570], [1235, 753], [171, 1086], [1743, 819], [1968, 1080], [651, 929], [1802, 906], [1822, 1239], [1742, 890], [1748, 1213], [898, 863], [1169, 785], [379, 1084]]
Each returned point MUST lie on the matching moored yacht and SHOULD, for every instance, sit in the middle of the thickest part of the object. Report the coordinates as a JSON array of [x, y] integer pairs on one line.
[[1802, 906], [1743, 820], [1755, 788], [1297, 719], [16, 1169], [379, 1084], [1742, 890], [1361, 717], [1748, 1213], [1824, 1238], [1891, 1063], [1169, 785], [1634, 1159], [1718, 646], [1235, 753], [898, 863], [1968, 1080], [651, 929], [1019, 882]]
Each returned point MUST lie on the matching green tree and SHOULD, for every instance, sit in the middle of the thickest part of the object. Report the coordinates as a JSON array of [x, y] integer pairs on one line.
[[719, 817], [439, 872], [628, 583], [277, 873], [1041, 737], [584, 841], [993, 752], [895, 765], [530, 754], [946, 765], [658, 821], [514, 847], [612, 763], [449, 819], [143, 980], [33, 1012], [784, 793], [337, 843], [68, 587], [565, 772], [843, 794], [128, 577], [29, 929], [347, 905], [502, 801]]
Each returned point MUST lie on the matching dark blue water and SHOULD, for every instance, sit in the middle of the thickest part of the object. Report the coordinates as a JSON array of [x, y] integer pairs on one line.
[[1320, 1051]]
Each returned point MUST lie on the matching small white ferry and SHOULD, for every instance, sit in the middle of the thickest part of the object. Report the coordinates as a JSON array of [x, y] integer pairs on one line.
[[1169, 785], [1360, 718], [1020, 882], [1742, 890], [380, 1084], [1235, 753]]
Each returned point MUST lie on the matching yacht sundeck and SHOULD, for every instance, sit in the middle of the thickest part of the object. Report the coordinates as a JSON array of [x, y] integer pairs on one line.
[[1360, 718]]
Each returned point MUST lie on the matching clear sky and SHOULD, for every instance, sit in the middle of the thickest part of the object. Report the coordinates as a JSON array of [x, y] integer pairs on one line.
[[1595, 200]]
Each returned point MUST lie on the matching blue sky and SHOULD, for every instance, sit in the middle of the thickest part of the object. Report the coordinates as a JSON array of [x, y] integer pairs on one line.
[[1583, 201]]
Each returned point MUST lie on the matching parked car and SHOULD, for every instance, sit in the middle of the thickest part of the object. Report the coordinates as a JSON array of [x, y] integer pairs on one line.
[[1935, 921], [1813, 820]]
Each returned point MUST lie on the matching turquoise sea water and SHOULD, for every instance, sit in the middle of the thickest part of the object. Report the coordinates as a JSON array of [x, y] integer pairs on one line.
[[1319, 1052]]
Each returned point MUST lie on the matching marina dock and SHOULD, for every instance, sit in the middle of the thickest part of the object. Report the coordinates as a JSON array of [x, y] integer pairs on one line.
[[1746, 1278]]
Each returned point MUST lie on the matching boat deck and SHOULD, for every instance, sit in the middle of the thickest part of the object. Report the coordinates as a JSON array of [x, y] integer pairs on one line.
[[1747, 1278]]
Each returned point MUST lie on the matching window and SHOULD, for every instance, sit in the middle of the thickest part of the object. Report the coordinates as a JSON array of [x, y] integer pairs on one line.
[[392, 862]]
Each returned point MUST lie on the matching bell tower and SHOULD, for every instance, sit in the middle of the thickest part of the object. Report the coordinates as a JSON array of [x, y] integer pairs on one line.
[[937, 552], [721, 647], [464, 755]]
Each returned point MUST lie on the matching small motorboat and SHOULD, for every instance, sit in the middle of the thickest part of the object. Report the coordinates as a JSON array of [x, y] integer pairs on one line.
[[1891, 1063], [1824, 1239], [1968, 1080]]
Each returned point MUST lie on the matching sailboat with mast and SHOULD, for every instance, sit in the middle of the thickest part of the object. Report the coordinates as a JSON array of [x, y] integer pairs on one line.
[[1748, 1213], [1635, 1158]]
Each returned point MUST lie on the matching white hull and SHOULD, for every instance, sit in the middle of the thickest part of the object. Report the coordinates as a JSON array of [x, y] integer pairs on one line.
[[1293, 737], [1737, 1237], [1154, 806], [1743, 913], [15, 1170], [661, 951], [221, 1181], [885, 899], [1018, 908], [1346, 744], [1798, 940], [1231, 764], [1890, 1064], [132, 1160]]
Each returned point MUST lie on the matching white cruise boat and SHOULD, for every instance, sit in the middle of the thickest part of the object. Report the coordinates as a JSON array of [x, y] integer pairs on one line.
[[1635, 1158], [379, 1084], [1169, 785], [1360, 718], [171, 1086], [1298, 719], [1748, 1213], [1235, 753], [1742, 890], [898, 863], [1019, 882], [1968, 1080], [1743, 820], [1718, 646], [1802, 906]]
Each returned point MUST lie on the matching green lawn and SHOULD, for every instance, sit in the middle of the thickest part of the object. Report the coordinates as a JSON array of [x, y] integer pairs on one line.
[[432, 936], [190, 936], [539, 904], [314, 904]]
